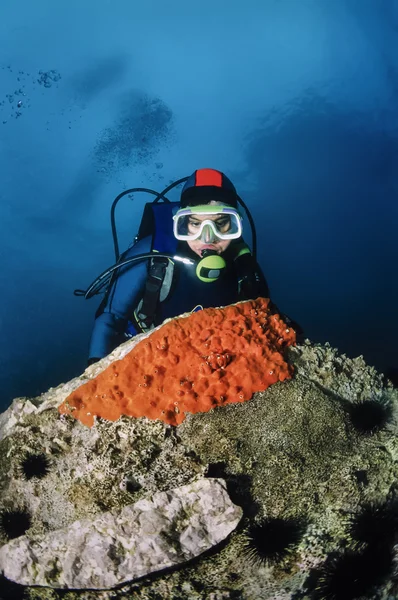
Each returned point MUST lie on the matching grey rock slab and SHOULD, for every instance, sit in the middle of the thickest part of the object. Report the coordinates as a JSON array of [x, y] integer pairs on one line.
[[15, 413], [155, 533]]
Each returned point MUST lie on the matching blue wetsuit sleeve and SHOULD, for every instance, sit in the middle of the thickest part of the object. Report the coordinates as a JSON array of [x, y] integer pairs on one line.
[[111, 323]]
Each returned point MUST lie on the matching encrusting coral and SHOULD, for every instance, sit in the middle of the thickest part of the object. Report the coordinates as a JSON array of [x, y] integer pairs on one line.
[[213, 358]]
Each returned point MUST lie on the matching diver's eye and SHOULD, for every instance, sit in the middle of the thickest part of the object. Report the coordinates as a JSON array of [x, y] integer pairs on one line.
[[192, 223], [223, 224]]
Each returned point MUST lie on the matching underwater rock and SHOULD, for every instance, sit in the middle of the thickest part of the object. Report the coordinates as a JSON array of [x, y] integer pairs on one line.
[[19, 408], [296, 452], [154, 533]]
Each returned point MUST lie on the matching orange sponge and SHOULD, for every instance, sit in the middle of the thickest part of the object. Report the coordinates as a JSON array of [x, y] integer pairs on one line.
[[212, 358]]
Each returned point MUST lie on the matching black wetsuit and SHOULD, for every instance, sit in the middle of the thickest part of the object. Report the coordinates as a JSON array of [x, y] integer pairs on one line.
[[241, 280]]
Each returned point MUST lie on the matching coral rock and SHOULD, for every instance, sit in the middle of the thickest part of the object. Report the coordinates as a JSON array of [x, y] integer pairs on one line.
[[211, 358], [154, 533]]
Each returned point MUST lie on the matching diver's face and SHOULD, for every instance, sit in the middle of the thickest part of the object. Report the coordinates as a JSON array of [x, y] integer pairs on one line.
[[213, 243]]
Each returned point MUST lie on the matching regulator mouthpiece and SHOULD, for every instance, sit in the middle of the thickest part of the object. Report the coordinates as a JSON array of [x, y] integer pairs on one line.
[[211, 266]]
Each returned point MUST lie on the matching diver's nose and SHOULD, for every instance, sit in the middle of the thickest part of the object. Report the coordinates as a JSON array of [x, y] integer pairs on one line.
[[207, 234]]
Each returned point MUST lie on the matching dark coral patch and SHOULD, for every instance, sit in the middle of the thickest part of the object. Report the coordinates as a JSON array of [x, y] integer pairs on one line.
[[10, 590], [35, 465], [15, 522], [370, 416], [238, 486], [272, 539], [362, 477], [132, 485], [218, 469], [349, 575]]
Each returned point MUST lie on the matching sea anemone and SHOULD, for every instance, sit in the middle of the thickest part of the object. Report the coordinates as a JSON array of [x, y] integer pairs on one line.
[[15, 522], [35, 465], [272, 539]]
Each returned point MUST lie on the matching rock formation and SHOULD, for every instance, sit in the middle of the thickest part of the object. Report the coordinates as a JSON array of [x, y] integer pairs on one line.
[[153, 534], [310, 461]]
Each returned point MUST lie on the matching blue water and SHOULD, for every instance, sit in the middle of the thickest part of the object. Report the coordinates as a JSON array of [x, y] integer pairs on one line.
[[294, 101]]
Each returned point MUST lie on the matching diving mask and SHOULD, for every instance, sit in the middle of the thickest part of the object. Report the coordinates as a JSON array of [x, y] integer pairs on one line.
[[207, 223]]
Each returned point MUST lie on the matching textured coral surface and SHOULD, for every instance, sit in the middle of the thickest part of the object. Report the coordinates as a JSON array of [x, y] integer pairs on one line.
[[211, 358]]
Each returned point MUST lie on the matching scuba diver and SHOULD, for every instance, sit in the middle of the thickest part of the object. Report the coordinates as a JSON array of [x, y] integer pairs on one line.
[[188, 255]]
